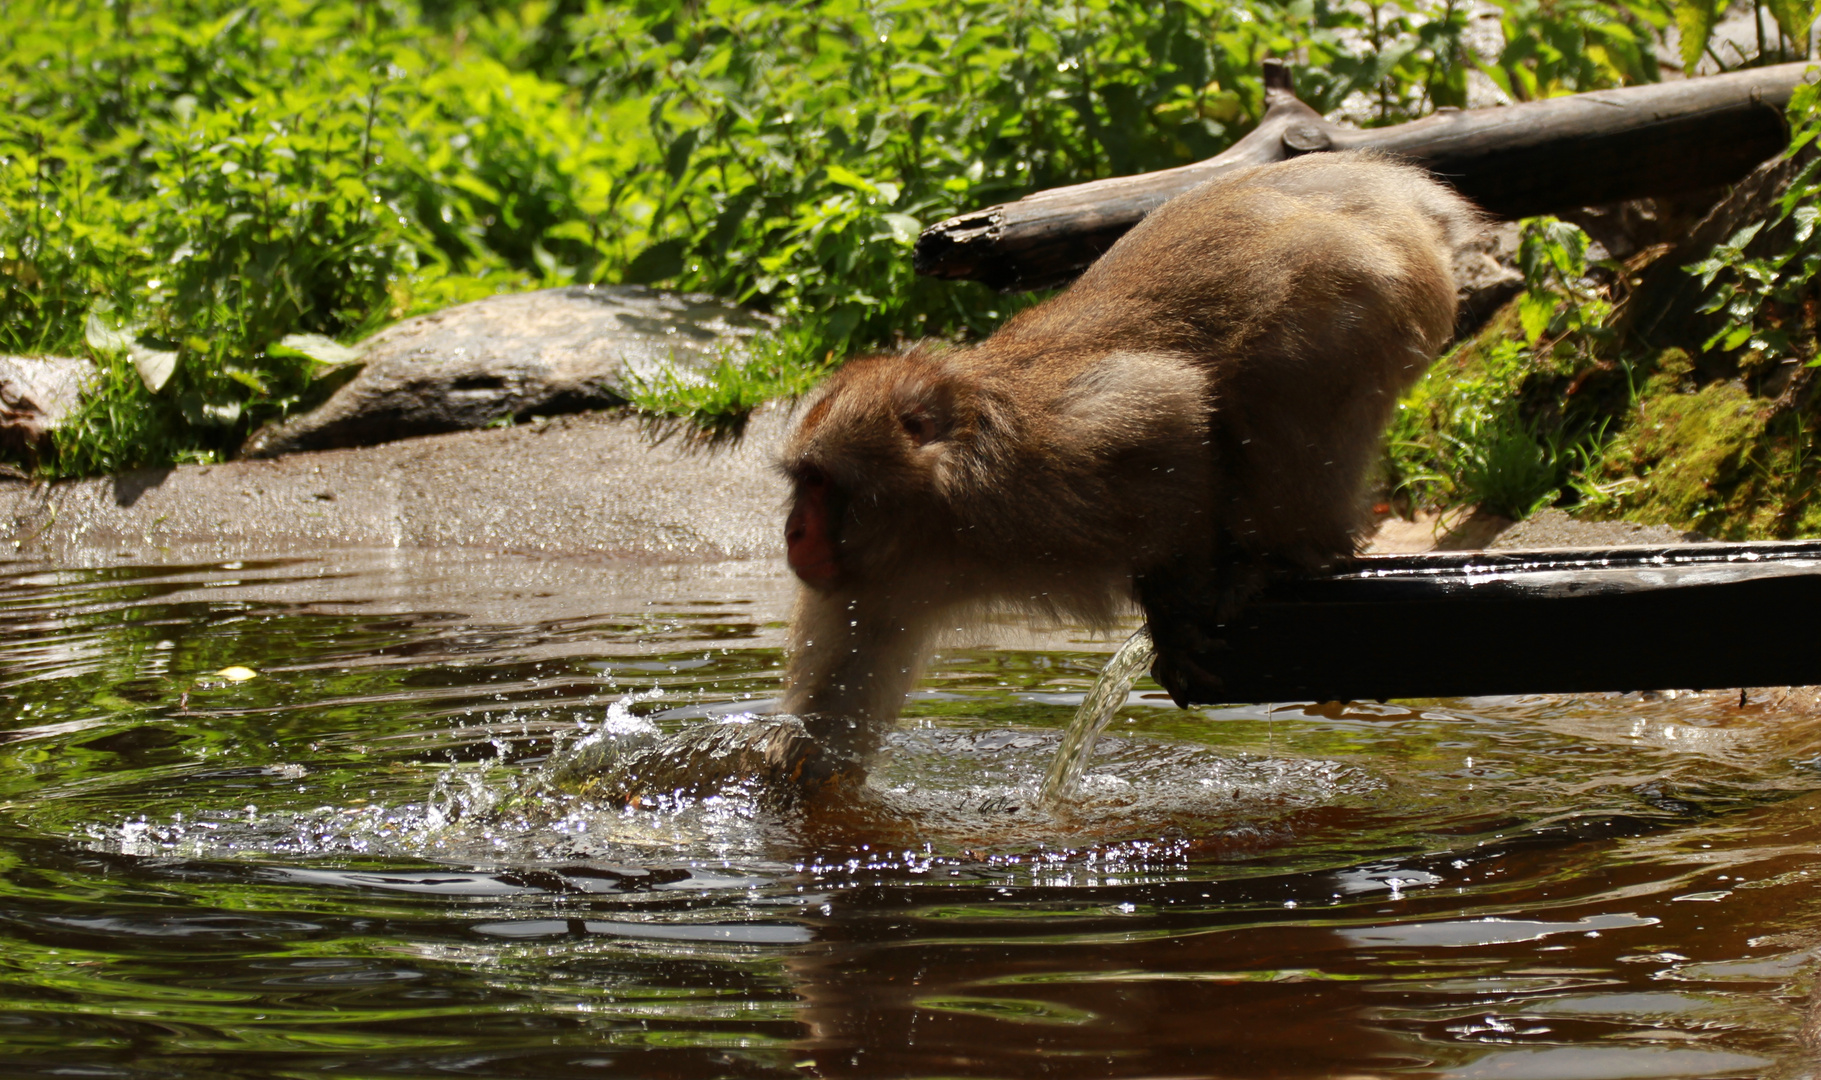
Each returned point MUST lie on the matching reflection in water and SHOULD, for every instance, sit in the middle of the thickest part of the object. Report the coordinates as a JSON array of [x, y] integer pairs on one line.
[[359, 860]]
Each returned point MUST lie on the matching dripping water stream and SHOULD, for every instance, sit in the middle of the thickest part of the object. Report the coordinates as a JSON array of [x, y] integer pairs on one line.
[[1103, 699]]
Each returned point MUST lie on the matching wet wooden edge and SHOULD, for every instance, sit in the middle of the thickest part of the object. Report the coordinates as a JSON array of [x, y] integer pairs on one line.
[[1555, 620]]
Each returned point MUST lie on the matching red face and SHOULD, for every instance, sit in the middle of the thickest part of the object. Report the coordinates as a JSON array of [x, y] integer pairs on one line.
[[807, 538]]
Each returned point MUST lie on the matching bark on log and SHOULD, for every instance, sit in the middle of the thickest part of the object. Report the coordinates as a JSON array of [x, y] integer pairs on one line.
[[1516, 160]]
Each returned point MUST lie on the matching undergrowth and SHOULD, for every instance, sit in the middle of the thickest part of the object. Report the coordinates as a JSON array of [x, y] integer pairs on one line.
[[1566, 399], [185, 184]]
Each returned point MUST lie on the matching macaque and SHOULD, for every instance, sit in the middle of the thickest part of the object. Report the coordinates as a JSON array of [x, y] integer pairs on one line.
[[1195, 415]]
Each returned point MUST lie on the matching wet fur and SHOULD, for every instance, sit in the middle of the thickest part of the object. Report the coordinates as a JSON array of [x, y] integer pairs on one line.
[[1197, 412]]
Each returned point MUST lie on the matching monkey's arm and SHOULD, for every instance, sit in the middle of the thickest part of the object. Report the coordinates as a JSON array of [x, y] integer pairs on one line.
[[852, 660]]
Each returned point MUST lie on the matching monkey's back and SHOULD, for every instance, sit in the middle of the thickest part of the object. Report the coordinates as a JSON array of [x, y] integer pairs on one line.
[[1309, 294], [1293, 255]]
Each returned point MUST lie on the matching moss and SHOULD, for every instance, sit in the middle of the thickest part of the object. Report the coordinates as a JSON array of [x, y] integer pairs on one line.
[[1689, 451]]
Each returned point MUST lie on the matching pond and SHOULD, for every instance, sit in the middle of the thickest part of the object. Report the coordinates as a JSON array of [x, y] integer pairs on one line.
[[283, 817]]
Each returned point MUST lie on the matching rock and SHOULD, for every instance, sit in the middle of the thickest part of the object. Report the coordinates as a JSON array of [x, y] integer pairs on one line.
[[1632, 226], [1553, 528], [37, 393], [532, 354], [1486, 277], [595, 484]]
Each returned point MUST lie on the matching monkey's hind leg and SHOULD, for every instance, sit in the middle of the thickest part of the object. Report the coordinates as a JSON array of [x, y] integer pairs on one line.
[[1190, 608]]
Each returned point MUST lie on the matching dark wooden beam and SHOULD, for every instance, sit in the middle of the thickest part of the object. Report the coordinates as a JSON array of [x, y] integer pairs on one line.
[[1459, 624], [1516, 160]]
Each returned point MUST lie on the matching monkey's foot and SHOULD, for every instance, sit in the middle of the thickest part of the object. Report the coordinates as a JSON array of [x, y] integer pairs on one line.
[[1188, 682]]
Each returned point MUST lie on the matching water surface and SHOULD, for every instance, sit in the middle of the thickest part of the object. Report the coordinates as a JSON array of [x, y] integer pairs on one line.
[[335, 868]]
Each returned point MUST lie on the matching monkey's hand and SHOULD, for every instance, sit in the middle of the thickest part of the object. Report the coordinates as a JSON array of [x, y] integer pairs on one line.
[[1187, 681], [1184, 609]]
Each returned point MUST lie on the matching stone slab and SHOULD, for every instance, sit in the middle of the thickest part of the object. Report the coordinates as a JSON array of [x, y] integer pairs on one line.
[[591, 484]]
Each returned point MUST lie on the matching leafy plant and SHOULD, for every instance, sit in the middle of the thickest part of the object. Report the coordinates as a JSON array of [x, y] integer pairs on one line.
[[716, 403], [1766, 292], [198, 180], [1502, 464], [1462, 437], [1695, 21], [1557, 47]]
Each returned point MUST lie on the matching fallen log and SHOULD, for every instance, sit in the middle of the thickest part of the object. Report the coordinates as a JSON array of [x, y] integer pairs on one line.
[[1515, 160], [1475, 623]]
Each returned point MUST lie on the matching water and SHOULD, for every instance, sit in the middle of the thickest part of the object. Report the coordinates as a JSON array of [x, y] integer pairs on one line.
[[366, 860], [1108, 694]]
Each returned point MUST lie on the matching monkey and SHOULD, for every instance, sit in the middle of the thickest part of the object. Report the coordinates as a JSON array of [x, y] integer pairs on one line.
[[1194, 416]]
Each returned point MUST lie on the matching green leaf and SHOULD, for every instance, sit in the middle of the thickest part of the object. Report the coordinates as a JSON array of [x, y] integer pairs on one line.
[[570, 230], [659, 262], [248, 379], [850, 179], [102, 336], [322, 351], [208, 412], [1793, 16], [474, 185], [904, 228], [676, 159], [155, 366], [1535, 309], [1695, 21], [1741, 238]]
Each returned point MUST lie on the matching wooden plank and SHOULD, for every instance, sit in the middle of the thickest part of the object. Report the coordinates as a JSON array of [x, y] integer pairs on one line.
[[1460, 624], [1515, 160]]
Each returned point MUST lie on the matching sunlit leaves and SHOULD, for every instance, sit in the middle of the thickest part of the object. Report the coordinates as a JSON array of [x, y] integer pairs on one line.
[[224, 175], [1555, 47], [1763, 277], [1794, 17], [1695, 21]]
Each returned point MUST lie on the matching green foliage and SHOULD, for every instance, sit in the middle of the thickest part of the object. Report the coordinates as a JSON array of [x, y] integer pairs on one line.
[[191, 190], [186, 183], [1766, 290], [1463, 436], [794, 153], [1695, 21], [1480, 428], [1502, 464], [716, 403], [1566, 46], [1555, 400], [1563, 310]]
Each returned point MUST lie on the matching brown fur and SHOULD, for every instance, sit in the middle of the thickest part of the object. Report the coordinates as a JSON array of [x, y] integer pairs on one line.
[[1200, 407]]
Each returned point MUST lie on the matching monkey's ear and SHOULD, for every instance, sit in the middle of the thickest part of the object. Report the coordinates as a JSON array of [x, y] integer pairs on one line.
[[927, 405]]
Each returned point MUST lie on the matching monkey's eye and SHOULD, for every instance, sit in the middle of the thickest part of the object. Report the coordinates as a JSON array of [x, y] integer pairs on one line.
[[918, 426]]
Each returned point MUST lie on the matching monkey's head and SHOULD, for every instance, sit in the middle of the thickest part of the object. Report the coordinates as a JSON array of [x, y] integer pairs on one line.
[[881, 445]]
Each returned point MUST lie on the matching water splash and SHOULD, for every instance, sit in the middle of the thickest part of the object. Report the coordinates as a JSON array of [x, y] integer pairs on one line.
[[1103, 699]]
